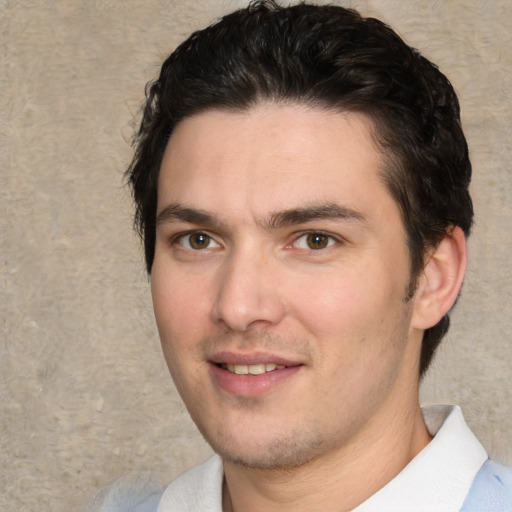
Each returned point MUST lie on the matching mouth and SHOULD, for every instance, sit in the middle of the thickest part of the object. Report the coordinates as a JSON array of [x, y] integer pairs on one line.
[[251, 369], [252, 374]]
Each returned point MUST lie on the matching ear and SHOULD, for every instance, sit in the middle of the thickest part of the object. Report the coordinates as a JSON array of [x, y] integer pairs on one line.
[[440, 282]]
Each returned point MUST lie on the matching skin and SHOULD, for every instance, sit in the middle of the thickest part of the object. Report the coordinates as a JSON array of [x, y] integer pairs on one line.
[[277, 241]]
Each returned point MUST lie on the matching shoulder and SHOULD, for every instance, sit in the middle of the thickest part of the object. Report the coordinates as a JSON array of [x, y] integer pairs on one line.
[[139, 493], [491, 490], [199, 489]]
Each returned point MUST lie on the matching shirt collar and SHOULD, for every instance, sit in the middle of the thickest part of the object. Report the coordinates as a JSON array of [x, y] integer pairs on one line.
[[440, 476]]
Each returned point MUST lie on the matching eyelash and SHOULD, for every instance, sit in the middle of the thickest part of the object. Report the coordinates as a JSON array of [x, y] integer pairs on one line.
[[185, 239], [321, 236], [179, 239]]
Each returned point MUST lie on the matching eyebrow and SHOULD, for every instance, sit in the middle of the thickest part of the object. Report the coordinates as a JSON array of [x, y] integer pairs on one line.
[[329, 211], [178, 213]]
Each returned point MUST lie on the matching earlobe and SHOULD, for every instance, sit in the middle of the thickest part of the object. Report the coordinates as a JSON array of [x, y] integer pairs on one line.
[[440, 282]]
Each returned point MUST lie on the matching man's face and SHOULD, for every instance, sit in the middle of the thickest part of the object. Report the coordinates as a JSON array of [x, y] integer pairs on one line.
[[279, 283]]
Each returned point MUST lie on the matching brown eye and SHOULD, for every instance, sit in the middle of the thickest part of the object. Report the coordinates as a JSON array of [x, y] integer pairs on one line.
[[317, 241], [197, 241], [314, 241]]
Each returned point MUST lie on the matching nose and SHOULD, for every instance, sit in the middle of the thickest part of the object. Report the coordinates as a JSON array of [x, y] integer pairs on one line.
[[247, 294]]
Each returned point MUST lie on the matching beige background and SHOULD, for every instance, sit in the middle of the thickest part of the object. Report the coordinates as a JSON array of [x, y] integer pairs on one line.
[[84, 393]]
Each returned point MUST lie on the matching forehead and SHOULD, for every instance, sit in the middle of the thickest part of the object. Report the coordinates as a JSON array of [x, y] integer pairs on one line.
[[271, 157]]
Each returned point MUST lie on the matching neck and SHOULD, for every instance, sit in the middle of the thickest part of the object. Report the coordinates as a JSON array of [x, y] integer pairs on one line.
[[337, 480]]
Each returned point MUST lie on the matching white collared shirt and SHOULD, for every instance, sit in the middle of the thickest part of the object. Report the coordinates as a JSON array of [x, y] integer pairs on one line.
[[436, 480], [440, 476]]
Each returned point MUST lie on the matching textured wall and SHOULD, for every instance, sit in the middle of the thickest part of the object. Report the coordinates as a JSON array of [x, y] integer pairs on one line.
[[84, 394]]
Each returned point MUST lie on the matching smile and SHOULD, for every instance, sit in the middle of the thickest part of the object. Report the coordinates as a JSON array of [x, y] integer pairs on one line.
[[252, 369]]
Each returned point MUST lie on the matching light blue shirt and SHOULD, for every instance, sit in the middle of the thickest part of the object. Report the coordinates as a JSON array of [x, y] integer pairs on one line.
[[451, 474]]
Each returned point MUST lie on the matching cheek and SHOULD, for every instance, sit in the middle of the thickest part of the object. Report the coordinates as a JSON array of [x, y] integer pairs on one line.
[[181, 326], [354, 313], [181, 309], [333, 302]]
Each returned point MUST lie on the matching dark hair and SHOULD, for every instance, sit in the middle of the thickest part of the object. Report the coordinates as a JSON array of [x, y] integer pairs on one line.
[[327, 57]]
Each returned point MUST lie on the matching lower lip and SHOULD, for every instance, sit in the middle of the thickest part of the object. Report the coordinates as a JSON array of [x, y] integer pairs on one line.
[[251, 385]]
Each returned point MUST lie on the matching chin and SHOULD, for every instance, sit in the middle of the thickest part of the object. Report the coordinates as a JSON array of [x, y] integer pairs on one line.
[[271, 454]]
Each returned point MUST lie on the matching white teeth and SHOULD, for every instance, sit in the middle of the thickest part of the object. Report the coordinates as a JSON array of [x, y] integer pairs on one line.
[[241, 369], [252, 369], [257, 369]]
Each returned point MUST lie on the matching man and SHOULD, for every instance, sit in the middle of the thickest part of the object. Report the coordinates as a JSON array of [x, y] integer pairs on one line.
[[301, 183]]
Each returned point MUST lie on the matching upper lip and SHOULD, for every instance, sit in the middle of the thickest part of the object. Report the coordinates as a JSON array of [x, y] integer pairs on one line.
[[251, 358]]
